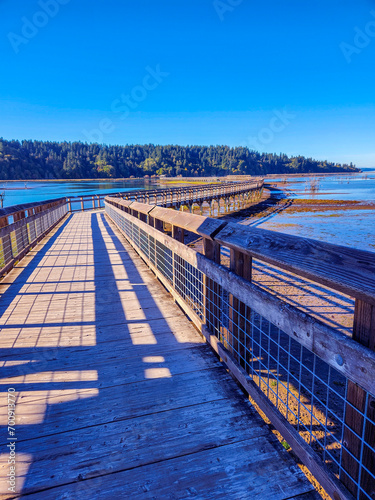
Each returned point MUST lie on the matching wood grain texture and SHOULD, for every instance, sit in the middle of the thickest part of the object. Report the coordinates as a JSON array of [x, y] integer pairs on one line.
[[204, 226], [117, 393], [345, 269], [232, 472]]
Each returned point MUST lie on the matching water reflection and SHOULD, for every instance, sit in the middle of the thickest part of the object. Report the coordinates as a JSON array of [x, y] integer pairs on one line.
[[359, 186]]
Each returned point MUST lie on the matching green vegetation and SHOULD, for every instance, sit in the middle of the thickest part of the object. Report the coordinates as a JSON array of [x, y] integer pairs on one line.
[[77, 160]]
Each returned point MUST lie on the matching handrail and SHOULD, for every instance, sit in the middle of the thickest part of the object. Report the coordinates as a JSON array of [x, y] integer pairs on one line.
[[344, 269], [7, 211], [162, 197], [291, 364], [347, 270], [18, 212]]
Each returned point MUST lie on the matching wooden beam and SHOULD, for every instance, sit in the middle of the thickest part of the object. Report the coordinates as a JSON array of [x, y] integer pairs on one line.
[[178, 234], [241, 265], [204, 226], [344, 269]]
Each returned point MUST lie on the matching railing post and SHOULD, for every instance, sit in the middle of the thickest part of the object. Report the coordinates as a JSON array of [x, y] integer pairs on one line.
[[360, 402], [211, 290], [159, 225], [3, 221], [178, 233], [18, 216], [82, 204], [240, 264]]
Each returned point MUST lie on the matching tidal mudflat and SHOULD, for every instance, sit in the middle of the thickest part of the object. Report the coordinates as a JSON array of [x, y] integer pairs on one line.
[[335, 209]]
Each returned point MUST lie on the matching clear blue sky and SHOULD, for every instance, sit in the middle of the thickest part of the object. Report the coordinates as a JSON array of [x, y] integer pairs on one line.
[[229, 70]]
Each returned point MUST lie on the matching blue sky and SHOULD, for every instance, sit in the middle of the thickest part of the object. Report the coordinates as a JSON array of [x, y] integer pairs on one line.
[[271, 75]]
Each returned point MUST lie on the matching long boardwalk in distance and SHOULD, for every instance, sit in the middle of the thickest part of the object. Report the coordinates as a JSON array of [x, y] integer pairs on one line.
[[117, 395]]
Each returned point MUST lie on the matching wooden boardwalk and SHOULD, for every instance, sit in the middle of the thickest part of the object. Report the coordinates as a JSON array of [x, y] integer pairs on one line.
[[117, 394]]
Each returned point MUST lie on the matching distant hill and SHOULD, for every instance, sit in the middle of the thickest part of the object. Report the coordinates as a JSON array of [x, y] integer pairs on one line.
[[76, 160]]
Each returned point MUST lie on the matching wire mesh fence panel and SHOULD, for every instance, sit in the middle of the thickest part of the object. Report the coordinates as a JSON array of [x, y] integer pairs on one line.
[[188, 283], [15, 241], [306, 390], [21, 238], [7, 249]]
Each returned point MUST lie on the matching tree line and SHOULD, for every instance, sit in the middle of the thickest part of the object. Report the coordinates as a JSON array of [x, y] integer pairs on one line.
[[76, 160]]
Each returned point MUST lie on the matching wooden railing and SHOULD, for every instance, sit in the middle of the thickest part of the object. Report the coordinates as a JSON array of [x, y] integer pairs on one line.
[[22, 226], [230, 192], [315, 384]]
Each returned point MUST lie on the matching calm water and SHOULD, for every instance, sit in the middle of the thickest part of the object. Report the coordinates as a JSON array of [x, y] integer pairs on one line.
[[20, 192], [347, 187], [355, 228]]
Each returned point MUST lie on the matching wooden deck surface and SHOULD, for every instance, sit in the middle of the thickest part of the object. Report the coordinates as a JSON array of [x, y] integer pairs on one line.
[[117, 394]]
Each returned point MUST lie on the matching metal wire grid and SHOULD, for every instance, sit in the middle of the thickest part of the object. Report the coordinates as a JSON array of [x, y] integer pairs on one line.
[[12, 244], [308, 392], [189, 284], [32, 231], [22, 239], [6, 254]]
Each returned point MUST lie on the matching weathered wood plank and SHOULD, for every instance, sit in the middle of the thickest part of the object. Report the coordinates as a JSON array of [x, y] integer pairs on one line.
[[74, 409], [228, 472], [86, 453], [345, 269], [360, 404], [59, 368], [204, 226]]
